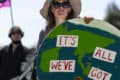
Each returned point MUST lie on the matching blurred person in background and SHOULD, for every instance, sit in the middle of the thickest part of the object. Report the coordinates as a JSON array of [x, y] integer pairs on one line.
[[13, 55], [113, 14]]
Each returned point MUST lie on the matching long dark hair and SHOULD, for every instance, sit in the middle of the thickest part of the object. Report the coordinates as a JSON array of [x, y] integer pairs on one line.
[[51, 19]]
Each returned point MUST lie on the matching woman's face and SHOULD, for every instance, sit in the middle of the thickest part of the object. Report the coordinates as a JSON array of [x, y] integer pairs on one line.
[[60, 8]]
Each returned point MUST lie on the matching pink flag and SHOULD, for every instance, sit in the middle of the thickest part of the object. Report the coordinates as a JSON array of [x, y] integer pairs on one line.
[[7, 3]]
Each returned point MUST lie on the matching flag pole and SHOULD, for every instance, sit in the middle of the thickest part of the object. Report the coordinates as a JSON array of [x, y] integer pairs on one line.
[[11, 14]]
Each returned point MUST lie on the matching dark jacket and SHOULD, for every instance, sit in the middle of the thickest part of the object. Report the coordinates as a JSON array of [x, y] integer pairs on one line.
[[40, 40], [42, 35], [10, 63]]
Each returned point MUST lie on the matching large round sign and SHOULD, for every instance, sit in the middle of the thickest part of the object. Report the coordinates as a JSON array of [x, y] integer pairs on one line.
[[75, 50]]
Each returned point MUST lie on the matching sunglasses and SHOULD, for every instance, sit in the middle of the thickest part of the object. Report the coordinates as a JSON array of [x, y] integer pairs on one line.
[[58, 5]]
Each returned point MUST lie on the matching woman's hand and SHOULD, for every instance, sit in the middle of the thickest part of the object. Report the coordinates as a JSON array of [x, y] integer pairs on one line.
[[87, 20]]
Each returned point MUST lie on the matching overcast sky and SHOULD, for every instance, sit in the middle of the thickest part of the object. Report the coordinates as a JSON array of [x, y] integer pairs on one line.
[[26, 15]]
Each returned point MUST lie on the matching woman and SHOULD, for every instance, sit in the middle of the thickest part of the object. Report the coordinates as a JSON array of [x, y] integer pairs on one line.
[[56, 12]]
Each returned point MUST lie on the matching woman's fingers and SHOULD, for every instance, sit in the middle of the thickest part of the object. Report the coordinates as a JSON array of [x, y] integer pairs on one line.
[[87, 20]]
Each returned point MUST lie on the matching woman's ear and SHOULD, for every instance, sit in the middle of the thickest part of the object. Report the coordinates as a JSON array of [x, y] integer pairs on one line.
[[70, 10], [52, 10]]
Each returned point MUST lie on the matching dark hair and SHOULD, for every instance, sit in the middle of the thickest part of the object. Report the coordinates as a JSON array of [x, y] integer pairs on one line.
[[17, 29], [51, 19]]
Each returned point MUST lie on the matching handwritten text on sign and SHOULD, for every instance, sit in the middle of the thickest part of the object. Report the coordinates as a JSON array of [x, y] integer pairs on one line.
[[104, 55], [97, 74], [67, 41], [62, 65]]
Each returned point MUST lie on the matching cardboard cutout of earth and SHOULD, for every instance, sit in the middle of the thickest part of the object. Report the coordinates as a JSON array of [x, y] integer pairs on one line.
[[75, 50]]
